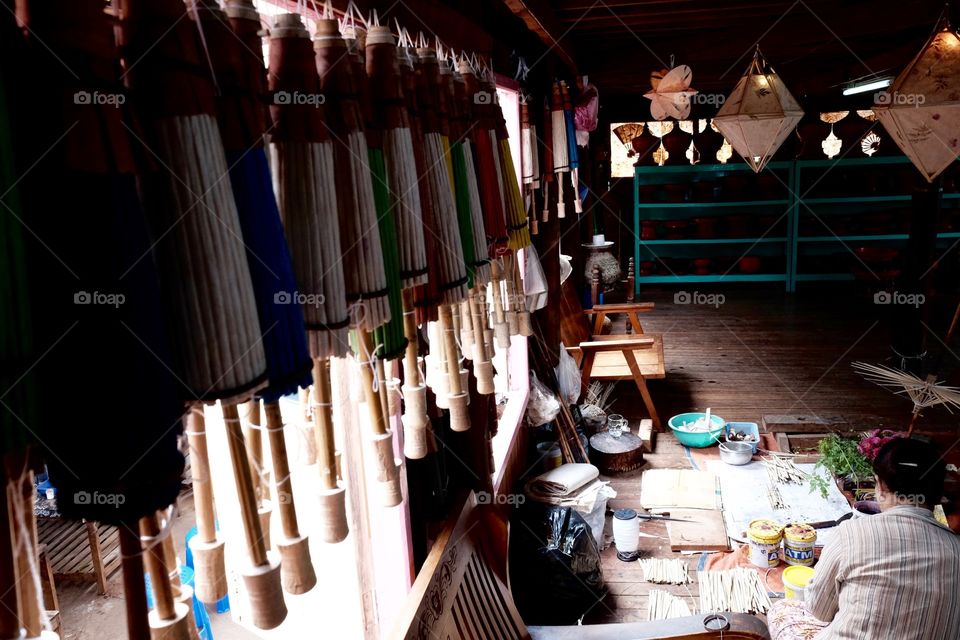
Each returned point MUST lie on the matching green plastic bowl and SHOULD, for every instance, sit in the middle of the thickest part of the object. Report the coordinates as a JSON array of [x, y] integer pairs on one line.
[[697, 440]]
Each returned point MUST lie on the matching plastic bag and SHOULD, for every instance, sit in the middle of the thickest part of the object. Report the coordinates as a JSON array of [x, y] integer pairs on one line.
[[555, 572], [542, 405], [534, 280], [568, 376]]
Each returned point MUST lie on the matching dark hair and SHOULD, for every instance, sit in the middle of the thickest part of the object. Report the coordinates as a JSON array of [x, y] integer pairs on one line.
[[912, 469]]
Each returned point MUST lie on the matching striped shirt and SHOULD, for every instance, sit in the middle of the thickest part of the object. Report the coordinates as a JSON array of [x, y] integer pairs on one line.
[[893, 575]]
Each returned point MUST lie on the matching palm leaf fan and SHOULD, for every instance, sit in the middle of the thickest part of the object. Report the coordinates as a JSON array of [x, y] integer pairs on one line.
[[208, 289], [367, 287], [238, 62], [627, 132], [306, 184], [922, 392], [432, 101], [393, 120]]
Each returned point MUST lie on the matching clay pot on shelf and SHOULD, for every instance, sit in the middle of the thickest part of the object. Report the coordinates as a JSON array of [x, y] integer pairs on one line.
[[735, 185], [768, 187], [650, 193], [648, 229], [647, 268], [677, 229], [771, 226], [705, 227], [738, 226], [750, 264], [676, 192], [702, 266], [704, 191]]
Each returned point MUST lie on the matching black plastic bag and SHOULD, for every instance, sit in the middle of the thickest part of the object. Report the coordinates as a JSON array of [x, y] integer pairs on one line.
[[555, 573]]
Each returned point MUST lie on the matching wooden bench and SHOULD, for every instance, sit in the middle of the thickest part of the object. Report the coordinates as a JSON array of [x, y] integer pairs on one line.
[[461, 594]]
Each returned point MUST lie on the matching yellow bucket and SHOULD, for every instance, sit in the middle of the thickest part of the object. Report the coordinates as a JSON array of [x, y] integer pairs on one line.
[[765, 536], [795, 580]]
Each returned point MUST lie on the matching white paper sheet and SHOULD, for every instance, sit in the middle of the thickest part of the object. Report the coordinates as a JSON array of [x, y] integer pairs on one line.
[[744, 492]]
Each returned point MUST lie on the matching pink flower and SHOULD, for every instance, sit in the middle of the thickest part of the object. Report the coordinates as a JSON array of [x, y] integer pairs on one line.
[[873, 441]]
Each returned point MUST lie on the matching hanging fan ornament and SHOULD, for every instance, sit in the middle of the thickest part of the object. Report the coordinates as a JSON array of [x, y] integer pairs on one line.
[[626, 133], [759, 114], [670, 96], [832, 145], [870, 144], [921, 109], [867, 114]]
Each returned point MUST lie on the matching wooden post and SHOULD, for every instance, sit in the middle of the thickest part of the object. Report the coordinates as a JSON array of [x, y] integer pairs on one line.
[[134, 588]]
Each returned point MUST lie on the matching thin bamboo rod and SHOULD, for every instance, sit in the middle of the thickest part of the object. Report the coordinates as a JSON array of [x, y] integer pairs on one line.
[[323, 424], [200, 468], [241, 473], [281, 470], [163, 601], [134, 587]]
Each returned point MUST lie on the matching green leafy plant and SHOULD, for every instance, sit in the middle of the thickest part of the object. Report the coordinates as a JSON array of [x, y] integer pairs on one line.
[[842, 458]]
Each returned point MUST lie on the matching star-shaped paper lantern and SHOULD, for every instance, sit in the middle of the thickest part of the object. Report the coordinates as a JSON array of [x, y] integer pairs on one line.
[[759, 114], [921, 109]]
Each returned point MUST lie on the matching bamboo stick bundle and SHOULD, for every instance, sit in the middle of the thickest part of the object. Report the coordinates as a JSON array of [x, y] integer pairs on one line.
[[387, 92], [663, 605], [364, 274], [572, 153], [359, 226], [308, 203], [546, 167], [560, 148], [737, 590], [665, 571]]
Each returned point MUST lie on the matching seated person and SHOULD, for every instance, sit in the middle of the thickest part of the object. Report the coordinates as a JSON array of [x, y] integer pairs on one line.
[[893, 575]]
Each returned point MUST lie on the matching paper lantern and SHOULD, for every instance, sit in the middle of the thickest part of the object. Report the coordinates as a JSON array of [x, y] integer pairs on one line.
[[759, 114], [921, 109]]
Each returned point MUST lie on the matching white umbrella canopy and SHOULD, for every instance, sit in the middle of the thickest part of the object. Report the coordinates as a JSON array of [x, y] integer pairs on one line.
[[921, 109], [759, 114]]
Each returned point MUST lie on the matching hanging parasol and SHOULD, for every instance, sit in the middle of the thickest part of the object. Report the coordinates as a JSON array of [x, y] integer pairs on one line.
[[922, 392]]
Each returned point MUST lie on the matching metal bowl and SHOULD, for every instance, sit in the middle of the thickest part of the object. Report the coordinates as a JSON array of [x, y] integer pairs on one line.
[[736, 453]]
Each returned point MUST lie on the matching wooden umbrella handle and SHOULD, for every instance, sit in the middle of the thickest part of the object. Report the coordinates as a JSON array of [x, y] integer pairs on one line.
[[377, 418], [450, 345], [134, 588], [9, 621], [157, 567], [241, 474], [200, 466], [254, 442], [411, 372], [281, 470], [323, 424]]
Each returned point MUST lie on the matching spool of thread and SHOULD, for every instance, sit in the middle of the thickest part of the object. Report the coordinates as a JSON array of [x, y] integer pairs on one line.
[[501, 332], [394, 397], [297, 574], [626, 534], [415, 422], [210, 577], [175, 628], [799, 541], [765, 536], [333, 520], [526, 325], [184, 594], [267, 608]]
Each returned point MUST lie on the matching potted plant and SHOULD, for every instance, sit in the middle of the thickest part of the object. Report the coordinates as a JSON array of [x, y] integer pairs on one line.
[[843, 459]]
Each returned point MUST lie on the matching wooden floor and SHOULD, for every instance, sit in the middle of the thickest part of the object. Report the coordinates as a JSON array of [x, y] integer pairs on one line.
[[767, 352], [761, 352]]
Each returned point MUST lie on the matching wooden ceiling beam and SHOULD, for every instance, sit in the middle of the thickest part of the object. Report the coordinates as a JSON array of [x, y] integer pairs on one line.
[[539, 17]]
